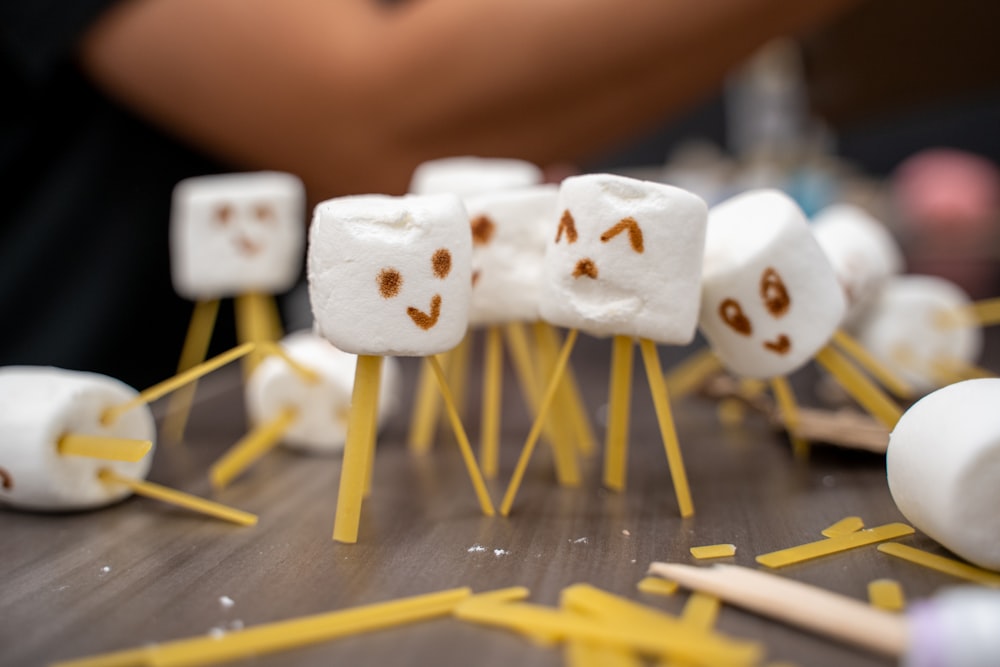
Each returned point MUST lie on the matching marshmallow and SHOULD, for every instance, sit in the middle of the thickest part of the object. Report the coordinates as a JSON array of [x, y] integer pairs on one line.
[[391, 276], [911, 328], [862, 251], [322, 408], [624, 258], [467, 175], [235, 234], [509, 229], [943, 463], [770, 299], [40, 405]]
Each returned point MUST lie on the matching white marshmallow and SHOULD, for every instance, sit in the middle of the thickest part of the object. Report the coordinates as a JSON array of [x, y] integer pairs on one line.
[[624, 258], [907, 328], [862, 251], [39, 406], [468, 175], [943, 467], [234, 234], [322, 408], [770, 299], [509, 229], [391, 276]]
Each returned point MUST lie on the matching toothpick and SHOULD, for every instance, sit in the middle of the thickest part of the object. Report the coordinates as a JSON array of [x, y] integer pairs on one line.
[[489, 437], [194, 351], [103, 447], [250, 448], [859, 386], [179, 498], [619, 407]]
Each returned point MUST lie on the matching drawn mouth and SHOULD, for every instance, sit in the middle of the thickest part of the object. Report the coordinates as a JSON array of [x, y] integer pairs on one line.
[[585, 267], [246, 246], [422, 319], [779, 346]]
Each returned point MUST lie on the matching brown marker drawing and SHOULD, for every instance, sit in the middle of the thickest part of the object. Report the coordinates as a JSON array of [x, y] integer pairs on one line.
[[774, 293], [732, 314], [6, 480], [634, 233], [482, 230], [390, 281], [422, 319], [441, 263], [567, 224], [585, 267]]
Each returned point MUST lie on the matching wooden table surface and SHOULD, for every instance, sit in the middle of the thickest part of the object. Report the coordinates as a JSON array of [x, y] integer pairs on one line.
[[141, 572]]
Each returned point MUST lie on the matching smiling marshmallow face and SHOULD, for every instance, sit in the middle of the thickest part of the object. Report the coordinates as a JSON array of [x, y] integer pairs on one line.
[[623, 257], [770, 299], [237, 233], [391, 276]]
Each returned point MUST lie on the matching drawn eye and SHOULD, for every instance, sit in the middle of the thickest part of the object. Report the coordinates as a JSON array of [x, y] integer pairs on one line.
[[390, 281], [6, 480], [773, 292], [482, 230], [223, 214], [264, 213], [567, 224], [441, 263], [634, 233], [732, 314]]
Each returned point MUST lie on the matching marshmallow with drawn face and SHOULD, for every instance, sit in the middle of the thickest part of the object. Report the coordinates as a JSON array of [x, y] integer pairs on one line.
[[913, 326], [943, 463], [391, 276], [509, 229], [38, 405], [770, 299], [468, 175], [235, 234], [322, 408], [624, 258], [862, 251]]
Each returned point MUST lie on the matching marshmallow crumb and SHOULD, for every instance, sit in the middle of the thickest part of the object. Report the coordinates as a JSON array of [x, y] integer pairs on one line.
[[580, 540], [216, 633], [500, 552], [477, 548], [226, 601], [236, 624], [105, 569], [626, 532]]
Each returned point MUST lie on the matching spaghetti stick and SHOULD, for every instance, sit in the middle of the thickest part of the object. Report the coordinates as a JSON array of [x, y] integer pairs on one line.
[[859, 387], [195, 349], [271, 317], [846, 526], [358, 447], [163, 388], [458, 372], [832, 545], [886, 594], [693, 372], [522, 358], [856, 351], [957, 370], [790, 416], [308, 375], [179, 498], [567, 468], [700, 611], [463, 441], [985, 313], [668, 433], [253, 324], [370, 452], [619, 405], [251, 447], [569, 394], [489, 437], [426, 405], [103, 447], [942, 564], [536, 428]]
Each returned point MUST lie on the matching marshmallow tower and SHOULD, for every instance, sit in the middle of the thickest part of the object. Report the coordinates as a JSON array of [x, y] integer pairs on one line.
[[234, 234], [915, 326], [861, 250], [42, 404], [943, 463], [469, 175], [624, 259], [320, 424], [770, 298]]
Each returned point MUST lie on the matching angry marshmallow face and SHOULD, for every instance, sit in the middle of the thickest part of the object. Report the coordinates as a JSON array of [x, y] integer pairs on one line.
[[624, 258], [237, 233], [770, 299], [391, 276]]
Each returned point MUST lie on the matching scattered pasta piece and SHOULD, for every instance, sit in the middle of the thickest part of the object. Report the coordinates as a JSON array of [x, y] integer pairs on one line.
[[846, 526], [942, 564], [886, 594], [834, 545], [714, 551], [657, 586]]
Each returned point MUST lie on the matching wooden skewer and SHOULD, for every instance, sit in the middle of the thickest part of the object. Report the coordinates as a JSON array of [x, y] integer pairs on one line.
[[103, 447]]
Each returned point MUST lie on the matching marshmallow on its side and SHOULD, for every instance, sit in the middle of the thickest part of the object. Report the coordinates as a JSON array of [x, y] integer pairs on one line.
[[391, 276], [914, 327], [509, 228], [770, 299], [469, 175], [234, 234], [322, 408], [38, 405], [624, 258], [943, 464], [861, 250]]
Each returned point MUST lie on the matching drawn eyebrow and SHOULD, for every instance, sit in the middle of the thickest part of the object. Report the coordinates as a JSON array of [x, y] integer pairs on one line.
[[774, 293], [567, 224], [634, 233], [482, 229], [732, 314]]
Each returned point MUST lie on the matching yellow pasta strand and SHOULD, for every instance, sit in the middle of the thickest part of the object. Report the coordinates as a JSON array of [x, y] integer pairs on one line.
[[426, 406], [489, 437], [693, 372], [657, 586], [846, 526], [252, 325], [458, 372], [103, 447], [833, 545], [194, 351], [179, 498], [942, 564], [619, 407], [714, 551], [251, 447], [567, 466], [886, 594], [859, 387], [790, 415], [569, 395], [524, 363], [860, 354], [358, 447]]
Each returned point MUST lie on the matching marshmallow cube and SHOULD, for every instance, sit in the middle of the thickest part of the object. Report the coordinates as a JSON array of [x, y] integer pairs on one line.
[[770, 299], [509, 229], [861, 249], [39, 406], [624, 258], [469, 175], [234, 234], [391, 276], [911, 327], [943, 463], [322, 409]]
